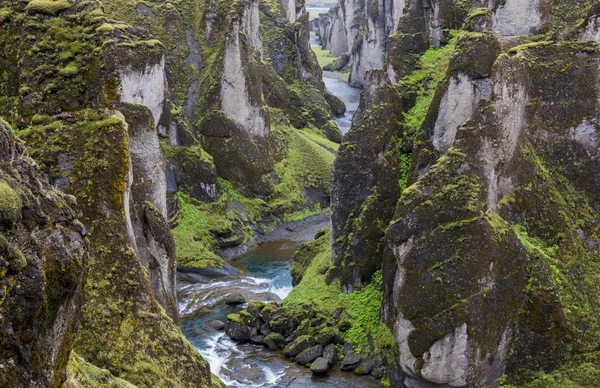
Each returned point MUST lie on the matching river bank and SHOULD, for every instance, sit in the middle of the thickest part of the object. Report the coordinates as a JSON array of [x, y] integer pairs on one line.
[[265, 277]]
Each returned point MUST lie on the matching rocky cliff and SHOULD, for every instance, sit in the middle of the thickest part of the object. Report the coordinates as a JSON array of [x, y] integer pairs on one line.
[[42, 252], [241, 78], [476, 196], [361, 30], [87, 94]]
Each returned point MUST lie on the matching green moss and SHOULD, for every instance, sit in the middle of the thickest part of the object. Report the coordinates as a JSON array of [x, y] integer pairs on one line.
[[320, 138], [235, 318], [49, 7], [81, 374], [363, 306], [70, 70], [193, 234], [10, 203], [306, 165], [431, 70], [324, 57], [10, 256]]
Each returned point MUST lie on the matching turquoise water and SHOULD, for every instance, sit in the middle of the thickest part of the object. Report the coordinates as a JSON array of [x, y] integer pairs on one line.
[[246, 365]]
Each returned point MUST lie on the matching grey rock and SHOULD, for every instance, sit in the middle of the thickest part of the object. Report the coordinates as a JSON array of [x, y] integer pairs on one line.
[[239, 331], [366, 366], [233, 299], [265, 329], [351, 360], [215, 325], [258, 339], [319, 366], [275, 341], [309, 355], [330, 354], [300, 344]]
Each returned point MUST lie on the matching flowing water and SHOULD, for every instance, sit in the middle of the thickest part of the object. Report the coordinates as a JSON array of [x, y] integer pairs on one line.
[[349, 95], [267, 270], [334, 82]]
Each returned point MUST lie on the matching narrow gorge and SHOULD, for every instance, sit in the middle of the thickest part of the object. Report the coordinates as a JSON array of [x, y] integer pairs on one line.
[[266, 193]]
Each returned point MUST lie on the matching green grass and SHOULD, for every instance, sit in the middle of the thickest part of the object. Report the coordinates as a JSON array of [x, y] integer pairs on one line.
[[363, 305], [193, 235], [432, 67], [324, 57], [318, 138], [306, 164]]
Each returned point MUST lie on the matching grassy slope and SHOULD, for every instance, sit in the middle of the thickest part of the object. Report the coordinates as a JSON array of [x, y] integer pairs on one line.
[[362, 305], [307, 163]]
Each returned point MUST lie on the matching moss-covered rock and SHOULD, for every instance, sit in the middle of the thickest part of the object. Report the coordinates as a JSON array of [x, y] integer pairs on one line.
[[10, 204], [41, 268], [95, 139]]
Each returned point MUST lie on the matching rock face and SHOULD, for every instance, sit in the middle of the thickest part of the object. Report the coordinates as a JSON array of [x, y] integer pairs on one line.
[[487, 239], [41, 271], [360, 29], [90, 120], [237, 80]]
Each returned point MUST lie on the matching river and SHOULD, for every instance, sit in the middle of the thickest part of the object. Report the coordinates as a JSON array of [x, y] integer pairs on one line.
[[334, 82], [266, 277], [267, 269]]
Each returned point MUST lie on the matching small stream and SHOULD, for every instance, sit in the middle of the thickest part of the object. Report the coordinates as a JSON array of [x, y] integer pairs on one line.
[[267, 270], [334, 82]]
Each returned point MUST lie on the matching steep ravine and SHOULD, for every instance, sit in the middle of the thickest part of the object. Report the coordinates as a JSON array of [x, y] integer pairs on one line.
[[261, 274]]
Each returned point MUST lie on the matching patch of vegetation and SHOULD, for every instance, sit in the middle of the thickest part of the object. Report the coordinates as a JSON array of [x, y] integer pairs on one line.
[[315, 135], [192, 235], [48, 7], [81, 373], [324, 57], [363, 306], [431, 70]]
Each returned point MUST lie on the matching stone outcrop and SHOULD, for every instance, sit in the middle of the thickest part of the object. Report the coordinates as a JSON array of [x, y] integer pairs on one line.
[[89, 98], [485, 240], [42, 256]]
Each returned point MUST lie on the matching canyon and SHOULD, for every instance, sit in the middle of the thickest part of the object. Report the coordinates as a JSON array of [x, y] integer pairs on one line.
[[203, 193]]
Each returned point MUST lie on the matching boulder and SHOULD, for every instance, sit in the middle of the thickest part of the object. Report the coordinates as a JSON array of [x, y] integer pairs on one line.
[[215, 325], [326, 336], [366, 366], [265, 329], [308, 355], [258, 339], [299, 345], [275, 341], [319, 366], [351, 360], [233, 299], [238, 328], [330, 354]]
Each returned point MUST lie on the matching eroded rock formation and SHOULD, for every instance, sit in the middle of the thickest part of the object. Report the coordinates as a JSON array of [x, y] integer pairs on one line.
[[487, 238]]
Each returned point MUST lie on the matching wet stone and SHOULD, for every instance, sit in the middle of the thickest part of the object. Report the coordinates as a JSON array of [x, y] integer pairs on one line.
[[366, 366], [233, 299], [330, 354], [215, 325], [309, 355], [265, 329], [351, 360], [319, 366], [299, 345]]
